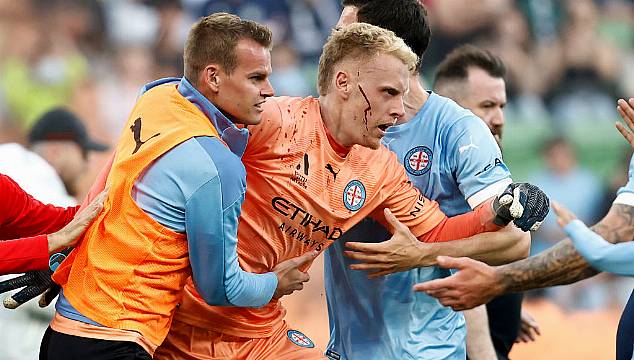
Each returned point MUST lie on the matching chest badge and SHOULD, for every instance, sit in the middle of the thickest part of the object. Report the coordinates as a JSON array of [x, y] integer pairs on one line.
[[417, 161], [354, 195], [299, 339]]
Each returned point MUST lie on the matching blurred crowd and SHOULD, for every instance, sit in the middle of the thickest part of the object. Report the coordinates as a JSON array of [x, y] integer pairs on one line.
[[568, 61]]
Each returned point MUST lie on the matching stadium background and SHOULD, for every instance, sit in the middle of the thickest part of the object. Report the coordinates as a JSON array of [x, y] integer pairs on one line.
[[568, 62]]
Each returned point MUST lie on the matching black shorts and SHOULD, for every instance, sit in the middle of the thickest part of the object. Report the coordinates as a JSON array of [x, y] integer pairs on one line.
[[58, 346], [625, 333]]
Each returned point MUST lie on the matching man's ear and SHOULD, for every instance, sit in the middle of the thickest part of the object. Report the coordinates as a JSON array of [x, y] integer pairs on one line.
[[342, 83], [210, 75]]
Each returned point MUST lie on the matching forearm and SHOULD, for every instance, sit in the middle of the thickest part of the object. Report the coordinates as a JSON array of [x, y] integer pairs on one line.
[[212, 237], [479, 343], [497, 247], [22, 255], [559, 265], [463, 226], [562, 264], [600, 254]]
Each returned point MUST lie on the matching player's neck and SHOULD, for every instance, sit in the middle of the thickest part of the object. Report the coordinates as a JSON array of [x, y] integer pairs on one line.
[[331, 114], [414, 99]]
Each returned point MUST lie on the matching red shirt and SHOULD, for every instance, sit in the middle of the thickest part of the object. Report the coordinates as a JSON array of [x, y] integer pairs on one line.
[[22, 215]]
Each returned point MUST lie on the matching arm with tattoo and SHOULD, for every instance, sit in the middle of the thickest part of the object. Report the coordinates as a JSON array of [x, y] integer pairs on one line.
[[562, 264]]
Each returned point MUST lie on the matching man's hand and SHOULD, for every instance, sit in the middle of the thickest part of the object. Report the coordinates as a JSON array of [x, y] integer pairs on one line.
[[564, 216], [524, 204], [403, 251], [475, 284], [34, 283], [529, 329], [69, 234], [289, 277], [626, 110]]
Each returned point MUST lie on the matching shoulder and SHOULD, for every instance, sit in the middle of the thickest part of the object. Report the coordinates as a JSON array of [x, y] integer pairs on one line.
[[445, 111], [196, 161]]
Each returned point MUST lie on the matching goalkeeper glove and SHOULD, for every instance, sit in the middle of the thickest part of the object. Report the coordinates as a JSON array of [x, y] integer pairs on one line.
[[34, 283], [524, 204]]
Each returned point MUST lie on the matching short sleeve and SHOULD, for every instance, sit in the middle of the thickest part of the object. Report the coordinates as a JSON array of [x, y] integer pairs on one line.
[[476, 160], [625, 195]]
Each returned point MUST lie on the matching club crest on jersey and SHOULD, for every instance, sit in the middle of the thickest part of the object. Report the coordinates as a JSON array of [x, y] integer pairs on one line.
[[417, 161], [55, 260], [354, 195], [299, 339]]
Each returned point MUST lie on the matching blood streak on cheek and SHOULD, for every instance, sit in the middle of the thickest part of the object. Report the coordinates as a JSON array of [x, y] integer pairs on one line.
[[366, 110]]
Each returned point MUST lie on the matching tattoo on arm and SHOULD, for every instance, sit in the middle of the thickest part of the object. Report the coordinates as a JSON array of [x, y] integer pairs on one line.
[[562, 264]]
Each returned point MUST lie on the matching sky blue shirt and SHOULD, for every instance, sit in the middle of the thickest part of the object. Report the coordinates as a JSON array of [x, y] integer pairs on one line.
[[599, 253], [198, 188], [451, 157]]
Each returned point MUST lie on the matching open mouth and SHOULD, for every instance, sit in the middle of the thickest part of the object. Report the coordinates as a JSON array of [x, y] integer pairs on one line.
[[384, 127]]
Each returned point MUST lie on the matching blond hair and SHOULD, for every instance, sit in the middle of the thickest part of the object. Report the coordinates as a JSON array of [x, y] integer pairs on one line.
[[213, 39], [360, 41]]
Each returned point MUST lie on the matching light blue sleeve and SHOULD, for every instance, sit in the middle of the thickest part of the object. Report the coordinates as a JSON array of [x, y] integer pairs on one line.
[[625, 195], [211, 218], [599, 253], [477, 162]]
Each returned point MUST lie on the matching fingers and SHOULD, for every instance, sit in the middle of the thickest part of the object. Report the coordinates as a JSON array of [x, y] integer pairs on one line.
[[435, 285], [364, 247], [15, 283], [626, 133], [626, 110], [506, 199], [370, 266], [564, 216], [392, 221], [364, 257], [24, 295], [449, 262], [49, 296], [305, 258], [516, 209]]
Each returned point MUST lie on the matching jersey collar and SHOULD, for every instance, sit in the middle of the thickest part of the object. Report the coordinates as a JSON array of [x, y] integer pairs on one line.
[[235, 138]]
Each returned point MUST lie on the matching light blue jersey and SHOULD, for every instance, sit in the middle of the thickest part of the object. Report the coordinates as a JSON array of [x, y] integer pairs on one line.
[[451, 156], [598, 252]]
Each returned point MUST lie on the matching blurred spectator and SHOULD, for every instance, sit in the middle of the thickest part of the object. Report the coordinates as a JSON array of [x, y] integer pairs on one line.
[[455, 22], [58, 155], [564, 181], [576, 188], [132, 67], [311, 22], [587, 81], [273, 13], [287, 77], [42, 65]]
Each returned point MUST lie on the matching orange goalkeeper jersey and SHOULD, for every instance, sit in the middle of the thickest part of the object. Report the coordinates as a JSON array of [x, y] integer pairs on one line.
[[301, 196]]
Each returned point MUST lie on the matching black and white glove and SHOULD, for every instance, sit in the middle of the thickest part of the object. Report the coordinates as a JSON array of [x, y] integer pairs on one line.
[[34, 283], [524, 204]]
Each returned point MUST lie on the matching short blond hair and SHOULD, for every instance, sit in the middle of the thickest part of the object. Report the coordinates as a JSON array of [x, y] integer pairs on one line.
[[360, 41], [213, 39]]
